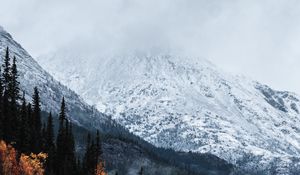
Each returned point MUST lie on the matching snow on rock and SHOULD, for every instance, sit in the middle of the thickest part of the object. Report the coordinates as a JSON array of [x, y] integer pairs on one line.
[[51, 91], [189, 105]]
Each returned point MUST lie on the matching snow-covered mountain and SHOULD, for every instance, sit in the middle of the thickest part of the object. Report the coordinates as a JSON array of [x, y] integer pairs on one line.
[[123, 150], [189, 105], [51, 91]]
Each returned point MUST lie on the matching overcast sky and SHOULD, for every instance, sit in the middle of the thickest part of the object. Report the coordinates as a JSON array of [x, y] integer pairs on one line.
[[256, 38]]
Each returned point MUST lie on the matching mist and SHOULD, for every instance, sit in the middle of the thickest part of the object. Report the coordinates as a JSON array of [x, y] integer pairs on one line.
[[256, 38]]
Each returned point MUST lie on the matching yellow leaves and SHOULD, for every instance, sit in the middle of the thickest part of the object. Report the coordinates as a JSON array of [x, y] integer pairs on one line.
[[100, 169], [8, 162], [28, 164], [32, 164]]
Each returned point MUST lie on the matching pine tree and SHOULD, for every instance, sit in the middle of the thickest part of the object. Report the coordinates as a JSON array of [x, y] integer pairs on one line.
[[24, 135], [43, 138], [87, 166], [7, 129], [13, 86], [62, 113], [92, 155], [13, 95], [6, 69], [31, 127], [49, 145], [37, 121], [49, 134], [14, 83], [70, 149], [65, 145], [141, 172], [60, 141], [7, 121], [98, 147]]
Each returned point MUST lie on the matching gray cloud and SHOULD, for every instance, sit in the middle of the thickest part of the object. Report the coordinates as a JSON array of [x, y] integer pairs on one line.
[[257, 38]]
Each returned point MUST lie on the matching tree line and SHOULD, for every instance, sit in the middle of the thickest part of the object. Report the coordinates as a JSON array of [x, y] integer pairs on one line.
[[21, 126]]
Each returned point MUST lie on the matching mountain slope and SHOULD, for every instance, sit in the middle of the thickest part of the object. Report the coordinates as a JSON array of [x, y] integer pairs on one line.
[[189, 105], [119, 145], [51, 91]]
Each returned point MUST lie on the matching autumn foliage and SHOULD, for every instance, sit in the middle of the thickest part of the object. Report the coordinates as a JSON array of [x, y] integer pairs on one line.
[[100, 170], [26, 165], [22, 127], [8, 162]]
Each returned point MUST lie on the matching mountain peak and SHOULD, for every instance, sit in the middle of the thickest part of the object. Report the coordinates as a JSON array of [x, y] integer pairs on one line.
[[4, 33], [187, 104]]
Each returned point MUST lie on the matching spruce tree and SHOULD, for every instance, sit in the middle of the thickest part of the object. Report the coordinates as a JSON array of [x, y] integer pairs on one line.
[[50, 146], [60, 141], [65, 145], [87, 166], [14, 81], [6, 69], [13, 95], [7, 122], [49, 134], [92, 154], [7, 129], [70, 149], [43, 138], [37, 121], [24, 135], [31, 127], [98, 147]]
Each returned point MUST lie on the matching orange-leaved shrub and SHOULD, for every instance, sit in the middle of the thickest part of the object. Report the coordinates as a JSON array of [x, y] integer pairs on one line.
[[100, 169], [26, 165]]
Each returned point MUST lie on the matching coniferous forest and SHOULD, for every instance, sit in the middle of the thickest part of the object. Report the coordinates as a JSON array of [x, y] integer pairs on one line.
[[29, 146]]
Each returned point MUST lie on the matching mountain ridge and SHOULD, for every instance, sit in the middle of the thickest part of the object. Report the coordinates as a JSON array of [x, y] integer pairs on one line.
[[87, 119], [51, 91], [186, 106]]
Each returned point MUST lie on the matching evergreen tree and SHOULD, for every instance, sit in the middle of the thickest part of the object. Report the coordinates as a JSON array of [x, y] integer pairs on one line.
[[92, 155], [24, 135], [43, 138], [13, 95], [13, 87], [98, 147], [65, 145], [62, 113], [49, 145], [31, 127], [70, 149], [8, 132], [14, 83], [7, 129], [6, 69], [60, 141], [87, 165], [49, 134], [37, 121], [141, 172]]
